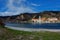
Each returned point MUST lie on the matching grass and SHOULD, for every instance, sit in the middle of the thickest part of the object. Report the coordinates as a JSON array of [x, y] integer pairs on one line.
[[9, 34]]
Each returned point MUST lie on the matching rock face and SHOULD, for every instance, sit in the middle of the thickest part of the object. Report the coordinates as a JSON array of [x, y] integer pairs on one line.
[[29, 16]]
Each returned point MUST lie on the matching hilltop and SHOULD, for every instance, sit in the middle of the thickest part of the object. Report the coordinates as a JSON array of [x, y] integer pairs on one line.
[[29, 16]]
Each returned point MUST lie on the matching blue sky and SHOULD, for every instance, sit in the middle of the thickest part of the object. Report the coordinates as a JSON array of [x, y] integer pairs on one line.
[[13, 7]]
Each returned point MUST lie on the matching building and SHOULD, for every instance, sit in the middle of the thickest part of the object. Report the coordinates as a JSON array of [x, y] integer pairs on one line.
[[43, 19], [53, 19], [36, 20]]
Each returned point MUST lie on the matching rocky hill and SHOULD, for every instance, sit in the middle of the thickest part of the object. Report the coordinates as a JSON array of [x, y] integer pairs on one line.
[[29, 16]]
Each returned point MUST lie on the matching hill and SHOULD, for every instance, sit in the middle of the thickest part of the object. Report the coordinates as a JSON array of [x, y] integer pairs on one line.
[[29, 16]]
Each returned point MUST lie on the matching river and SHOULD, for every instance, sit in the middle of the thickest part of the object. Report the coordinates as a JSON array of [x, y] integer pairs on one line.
[[35, 25]]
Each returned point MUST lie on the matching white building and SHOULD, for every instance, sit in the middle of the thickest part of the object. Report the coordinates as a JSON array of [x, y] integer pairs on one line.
[[38, 20], [52, 19]]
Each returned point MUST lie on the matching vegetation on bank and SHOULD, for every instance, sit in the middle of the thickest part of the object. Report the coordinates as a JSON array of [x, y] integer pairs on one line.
[[9, 34]]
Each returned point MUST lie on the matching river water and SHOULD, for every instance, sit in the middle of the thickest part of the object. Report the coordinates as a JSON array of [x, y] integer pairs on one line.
[[35, 25]]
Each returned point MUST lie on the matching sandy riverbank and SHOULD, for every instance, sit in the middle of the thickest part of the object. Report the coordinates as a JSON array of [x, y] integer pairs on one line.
[[32, 29]]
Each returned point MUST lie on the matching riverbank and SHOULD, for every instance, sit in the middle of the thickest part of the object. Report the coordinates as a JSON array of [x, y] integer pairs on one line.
[[32, 29], [9, 34]]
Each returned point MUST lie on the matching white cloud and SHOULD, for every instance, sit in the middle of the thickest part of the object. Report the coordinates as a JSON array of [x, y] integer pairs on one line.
[[13, 10], [35, 4], [6, 13]]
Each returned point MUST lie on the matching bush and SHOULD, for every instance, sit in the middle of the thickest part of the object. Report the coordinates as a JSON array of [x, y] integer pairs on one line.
[[1, 23]]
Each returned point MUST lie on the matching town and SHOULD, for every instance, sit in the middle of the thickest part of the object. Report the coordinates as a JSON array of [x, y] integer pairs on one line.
[[42, 17]]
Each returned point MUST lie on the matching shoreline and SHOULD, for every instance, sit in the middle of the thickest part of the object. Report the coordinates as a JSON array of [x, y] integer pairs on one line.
[[33, 29]]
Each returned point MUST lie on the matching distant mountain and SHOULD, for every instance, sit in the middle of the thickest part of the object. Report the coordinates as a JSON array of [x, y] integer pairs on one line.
[[29, 16]]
